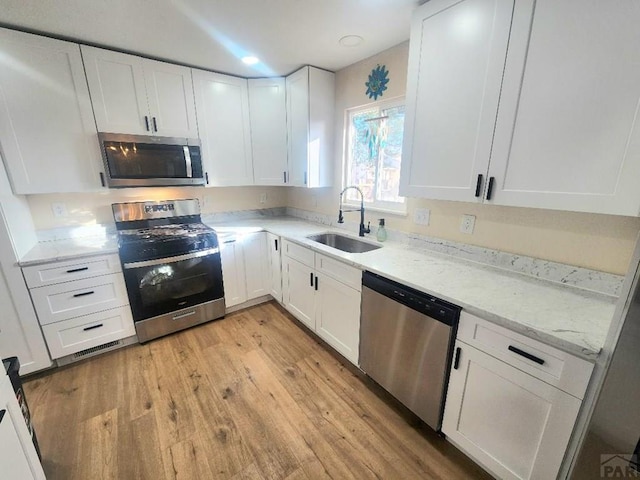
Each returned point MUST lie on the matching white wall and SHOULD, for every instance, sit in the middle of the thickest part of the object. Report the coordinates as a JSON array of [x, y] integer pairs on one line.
[[601, 242], [94, 208]]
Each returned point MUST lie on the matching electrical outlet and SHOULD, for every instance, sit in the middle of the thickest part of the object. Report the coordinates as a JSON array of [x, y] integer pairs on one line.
[[314, 201], [263, 198], [59, 209], [207, 202], [467, 224], [421, 216]]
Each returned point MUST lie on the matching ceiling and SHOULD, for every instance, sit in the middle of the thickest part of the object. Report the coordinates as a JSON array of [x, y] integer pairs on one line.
[[214, 34]]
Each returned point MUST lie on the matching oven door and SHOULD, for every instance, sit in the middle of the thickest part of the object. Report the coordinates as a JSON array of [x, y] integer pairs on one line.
[[165, 285]]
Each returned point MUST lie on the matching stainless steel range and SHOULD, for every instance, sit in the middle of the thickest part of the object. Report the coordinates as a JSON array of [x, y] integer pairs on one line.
[[171, 264]]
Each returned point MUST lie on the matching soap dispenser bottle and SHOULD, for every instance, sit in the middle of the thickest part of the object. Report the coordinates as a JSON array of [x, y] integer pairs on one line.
[[382, 232]]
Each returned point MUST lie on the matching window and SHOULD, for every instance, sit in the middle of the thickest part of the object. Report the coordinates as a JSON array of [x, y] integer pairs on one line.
[[373, 155]]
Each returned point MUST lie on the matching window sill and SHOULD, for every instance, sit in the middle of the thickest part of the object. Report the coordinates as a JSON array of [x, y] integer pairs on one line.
[[372, 208]]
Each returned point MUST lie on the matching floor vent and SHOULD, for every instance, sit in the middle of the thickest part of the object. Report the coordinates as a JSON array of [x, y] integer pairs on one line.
[[89, 351]]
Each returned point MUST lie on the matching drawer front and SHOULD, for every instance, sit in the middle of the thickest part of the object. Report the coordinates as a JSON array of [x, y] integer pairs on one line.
[[297, 252], [71, 336], [73, 299], [560, 369], [58, 272], [340, 271]]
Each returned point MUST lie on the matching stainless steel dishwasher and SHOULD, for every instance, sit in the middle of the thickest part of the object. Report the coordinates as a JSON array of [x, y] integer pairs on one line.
[[406, 343]]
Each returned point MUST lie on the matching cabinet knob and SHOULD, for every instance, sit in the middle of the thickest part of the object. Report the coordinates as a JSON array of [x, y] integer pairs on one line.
[[146, 122], [490, 187]]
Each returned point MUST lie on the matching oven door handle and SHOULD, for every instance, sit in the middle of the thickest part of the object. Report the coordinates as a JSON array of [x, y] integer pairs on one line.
[[177, 258]]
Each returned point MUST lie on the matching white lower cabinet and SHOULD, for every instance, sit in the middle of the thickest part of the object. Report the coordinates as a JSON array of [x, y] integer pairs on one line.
[[245, 267], [324, 294], [18, 456], [81, 303], [511, 422], [275, 265]]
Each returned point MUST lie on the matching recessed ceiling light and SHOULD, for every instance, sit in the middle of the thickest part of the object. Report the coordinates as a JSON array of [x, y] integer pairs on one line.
[[351, 40], [250, 60]]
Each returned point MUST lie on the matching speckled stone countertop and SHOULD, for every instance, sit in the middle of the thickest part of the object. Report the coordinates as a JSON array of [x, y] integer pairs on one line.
[[566, 317], [569, 318]]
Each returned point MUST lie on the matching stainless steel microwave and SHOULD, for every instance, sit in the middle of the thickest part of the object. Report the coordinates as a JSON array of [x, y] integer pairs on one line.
[[150, 161]]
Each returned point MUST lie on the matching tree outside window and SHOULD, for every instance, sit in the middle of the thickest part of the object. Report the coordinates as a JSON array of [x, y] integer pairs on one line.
[[374, 153]]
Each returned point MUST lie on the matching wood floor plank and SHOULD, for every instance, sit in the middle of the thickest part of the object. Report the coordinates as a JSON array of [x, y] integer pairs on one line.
[[251, 396], [97, 447]]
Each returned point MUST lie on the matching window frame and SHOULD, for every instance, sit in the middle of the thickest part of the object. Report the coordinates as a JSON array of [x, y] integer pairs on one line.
[[392, 208]]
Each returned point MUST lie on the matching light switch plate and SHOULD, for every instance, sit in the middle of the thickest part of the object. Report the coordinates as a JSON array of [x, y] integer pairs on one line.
[[59, 209], [467, 224], [421, 216]]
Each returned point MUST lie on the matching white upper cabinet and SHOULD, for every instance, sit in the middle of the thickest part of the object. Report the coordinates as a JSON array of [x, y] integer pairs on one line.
[[222, 106], [139, 96], [310, 107], [268, 118], [567, 135], [456, 60], [47, 132]]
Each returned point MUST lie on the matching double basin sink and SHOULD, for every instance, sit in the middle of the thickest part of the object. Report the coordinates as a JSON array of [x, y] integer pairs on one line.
[[343, 243]]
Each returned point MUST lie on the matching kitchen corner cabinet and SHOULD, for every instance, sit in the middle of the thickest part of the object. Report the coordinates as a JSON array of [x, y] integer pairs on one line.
[[324, 294], [18, 455], [310, 94], [511, 413], [275, 265], [268, 118], [47, 132], [245, 268], [565, 134], [139, 96], [222, 107]]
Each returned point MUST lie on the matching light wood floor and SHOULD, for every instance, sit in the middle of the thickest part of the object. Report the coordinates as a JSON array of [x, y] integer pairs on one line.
[[249, 396]]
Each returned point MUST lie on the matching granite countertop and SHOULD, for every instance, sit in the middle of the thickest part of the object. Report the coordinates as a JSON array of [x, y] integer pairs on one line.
[[569, 318]]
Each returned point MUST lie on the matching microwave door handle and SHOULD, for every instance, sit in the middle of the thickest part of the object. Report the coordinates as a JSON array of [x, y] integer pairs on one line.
[[166, 260], [187, 159]]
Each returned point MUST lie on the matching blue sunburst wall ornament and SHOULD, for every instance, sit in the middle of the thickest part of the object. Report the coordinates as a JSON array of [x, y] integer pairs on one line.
[[377, 82]]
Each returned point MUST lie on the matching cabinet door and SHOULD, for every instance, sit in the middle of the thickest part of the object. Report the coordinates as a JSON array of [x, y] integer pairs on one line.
[[297, 86], [118, 92], [567, 135], [268, 116], [256, 264], [171, 101], [233, 276], [275, 266], [47, 132], [513, 424], [456, 59], [338, 316], [18, 456], [298, 291], [222, 107]]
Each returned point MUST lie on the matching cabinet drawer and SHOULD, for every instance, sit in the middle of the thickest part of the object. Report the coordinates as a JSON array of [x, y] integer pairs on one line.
[[297, 252], [340, 271], [57, 272], [72, 299], [562, 370], [71, 336]]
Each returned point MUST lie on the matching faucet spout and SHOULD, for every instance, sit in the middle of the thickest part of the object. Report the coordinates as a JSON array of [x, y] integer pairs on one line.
[[362, 228]]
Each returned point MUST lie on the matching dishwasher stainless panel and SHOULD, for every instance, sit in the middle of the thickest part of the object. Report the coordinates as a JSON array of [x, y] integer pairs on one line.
[[404, 348]]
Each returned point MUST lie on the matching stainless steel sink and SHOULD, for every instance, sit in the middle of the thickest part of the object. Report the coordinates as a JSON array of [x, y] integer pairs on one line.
[[346, 244]]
